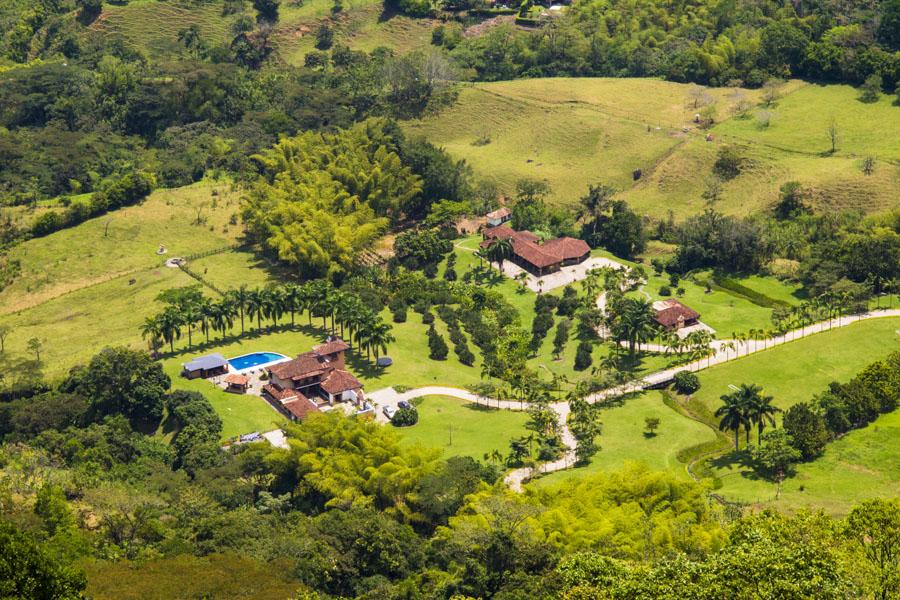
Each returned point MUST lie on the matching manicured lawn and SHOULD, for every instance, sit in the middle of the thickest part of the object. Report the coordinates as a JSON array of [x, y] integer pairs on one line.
[[240, 413], [623, 439], [863, 464], [794, 372], [463, 429]]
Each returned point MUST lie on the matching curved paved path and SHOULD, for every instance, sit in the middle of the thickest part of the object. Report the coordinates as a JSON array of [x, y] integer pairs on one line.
[[515, 478]]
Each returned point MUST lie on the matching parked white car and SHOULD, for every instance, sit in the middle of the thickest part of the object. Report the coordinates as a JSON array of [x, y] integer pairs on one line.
[[389, 411]]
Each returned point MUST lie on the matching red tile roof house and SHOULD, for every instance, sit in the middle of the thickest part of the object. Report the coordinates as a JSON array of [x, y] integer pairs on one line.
[[673, 315], [535, 257], [313, 380]]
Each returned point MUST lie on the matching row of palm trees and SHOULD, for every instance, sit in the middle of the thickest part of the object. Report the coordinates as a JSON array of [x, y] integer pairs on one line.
[[746, 407], [340, 311]]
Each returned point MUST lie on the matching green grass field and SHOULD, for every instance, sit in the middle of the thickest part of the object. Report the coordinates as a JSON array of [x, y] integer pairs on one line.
[[623, 439], [600, 130], [863, 464], [463, 429], [793, 372]]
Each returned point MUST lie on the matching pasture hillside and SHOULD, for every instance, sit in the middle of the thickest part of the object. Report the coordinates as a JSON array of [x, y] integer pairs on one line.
[[152, 26], [573, 132]]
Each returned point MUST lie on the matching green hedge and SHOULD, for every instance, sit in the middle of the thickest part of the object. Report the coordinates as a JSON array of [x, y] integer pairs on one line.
[[758, 298]]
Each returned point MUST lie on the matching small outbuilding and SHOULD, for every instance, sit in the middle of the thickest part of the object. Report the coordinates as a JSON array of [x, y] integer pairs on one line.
[[498, 217], [205, 366], [673, 315], [237, 383]]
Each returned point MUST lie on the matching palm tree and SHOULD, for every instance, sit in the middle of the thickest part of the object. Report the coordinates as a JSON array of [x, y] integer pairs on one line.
[[293, 299], [495, 456], [273, 304], [634, 323], [190, 314], [151, 331], [759, 408], [732, 415], [170, 322], [499, 250], [205, 310], [223, 316], [254, 306], [238, 298], [378, 339]]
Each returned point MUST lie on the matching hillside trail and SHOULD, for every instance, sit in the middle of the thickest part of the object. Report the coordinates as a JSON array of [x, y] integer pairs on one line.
[[723, 351]]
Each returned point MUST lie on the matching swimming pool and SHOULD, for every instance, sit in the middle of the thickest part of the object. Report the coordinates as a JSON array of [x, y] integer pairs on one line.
[[255, 360]]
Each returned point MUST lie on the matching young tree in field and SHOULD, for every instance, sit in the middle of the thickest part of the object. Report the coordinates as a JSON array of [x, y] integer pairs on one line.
[[4, 333], [651, 424], [775, 454], [35, 345], [832, 132]]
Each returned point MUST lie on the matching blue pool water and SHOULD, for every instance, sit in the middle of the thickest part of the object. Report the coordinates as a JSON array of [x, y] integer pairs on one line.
[[255, 359]]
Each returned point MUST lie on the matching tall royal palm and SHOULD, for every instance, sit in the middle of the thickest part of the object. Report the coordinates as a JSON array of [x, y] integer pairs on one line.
[[759, 408], [273, 304], [732, 415], [170, 322], [293, 299], [223, 316], [190, 315], [254, 306], [206, 309], [238, 298]]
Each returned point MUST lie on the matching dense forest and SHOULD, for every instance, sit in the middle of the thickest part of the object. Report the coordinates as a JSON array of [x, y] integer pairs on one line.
[[347, 511]]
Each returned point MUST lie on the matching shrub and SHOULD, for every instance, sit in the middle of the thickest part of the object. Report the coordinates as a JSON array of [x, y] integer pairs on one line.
[[583, 358], [428, 318], [686, 382], [665, 290], [405, 417], [437, 347]]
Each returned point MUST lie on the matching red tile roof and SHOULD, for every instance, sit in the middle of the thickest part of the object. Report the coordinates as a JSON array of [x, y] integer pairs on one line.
[[281, 394], [500, 213], [306, 365], [566, 247], [673, 310], [525, 245], [334, 346], [340, 381], [236, 379], [300, 407]]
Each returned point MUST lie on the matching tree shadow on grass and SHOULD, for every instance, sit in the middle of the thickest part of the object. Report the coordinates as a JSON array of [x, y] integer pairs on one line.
[[740, 460]]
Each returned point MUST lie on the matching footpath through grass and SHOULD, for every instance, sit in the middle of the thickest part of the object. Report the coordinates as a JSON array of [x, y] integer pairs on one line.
[[463, 429]]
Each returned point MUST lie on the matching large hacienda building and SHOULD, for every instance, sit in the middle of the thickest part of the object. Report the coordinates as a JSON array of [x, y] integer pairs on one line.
[[536, 257], [313, 380]]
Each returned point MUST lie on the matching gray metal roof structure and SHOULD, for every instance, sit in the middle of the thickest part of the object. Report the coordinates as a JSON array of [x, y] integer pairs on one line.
[[206, 363]]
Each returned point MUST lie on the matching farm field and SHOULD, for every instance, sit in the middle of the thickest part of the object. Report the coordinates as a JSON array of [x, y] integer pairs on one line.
[[601, 130], [624, 439], [123, 243], [152, 26], [460, 428]]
